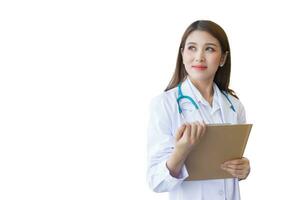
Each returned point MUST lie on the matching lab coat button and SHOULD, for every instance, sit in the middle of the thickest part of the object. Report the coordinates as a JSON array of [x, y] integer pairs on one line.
[[221, 192]]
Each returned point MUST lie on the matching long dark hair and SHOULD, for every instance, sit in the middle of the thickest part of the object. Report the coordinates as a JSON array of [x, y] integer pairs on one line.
[[222, 76]]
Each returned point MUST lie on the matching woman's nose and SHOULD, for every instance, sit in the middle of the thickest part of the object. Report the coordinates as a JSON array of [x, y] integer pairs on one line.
[[199, 56]]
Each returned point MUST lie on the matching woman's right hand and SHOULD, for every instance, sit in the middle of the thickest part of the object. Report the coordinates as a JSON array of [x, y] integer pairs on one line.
[[188, 135]]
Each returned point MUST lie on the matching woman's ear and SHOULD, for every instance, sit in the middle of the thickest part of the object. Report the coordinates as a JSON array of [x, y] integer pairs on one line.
[[223, 58], [181, 50]]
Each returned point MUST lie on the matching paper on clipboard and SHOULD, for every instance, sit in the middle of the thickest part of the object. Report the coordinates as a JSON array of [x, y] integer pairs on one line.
[[220, 143]]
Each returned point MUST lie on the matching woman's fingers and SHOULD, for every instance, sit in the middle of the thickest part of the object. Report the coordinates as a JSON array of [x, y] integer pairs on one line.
[[193, 133], [239, 168], [180, 131], [235, 162], [197, 131], [236, 173], [187, 131], [236, 166], [203, 125], [200, 129], [189, 134]]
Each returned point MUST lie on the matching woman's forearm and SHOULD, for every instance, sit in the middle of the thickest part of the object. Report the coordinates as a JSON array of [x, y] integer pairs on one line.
[[176, 162]]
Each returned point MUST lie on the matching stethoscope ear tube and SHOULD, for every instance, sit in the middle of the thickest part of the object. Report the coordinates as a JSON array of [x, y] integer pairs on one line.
[[231, 105]]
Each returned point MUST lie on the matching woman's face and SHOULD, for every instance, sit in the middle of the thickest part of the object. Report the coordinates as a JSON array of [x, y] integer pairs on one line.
[[202, 55]]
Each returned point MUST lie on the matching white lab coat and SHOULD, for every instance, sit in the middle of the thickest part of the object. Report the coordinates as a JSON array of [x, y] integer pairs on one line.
[[163, 123]]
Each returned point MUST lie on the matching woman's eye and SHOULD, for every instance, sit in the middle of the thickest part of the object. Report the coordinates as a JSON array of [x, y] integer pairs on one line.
[[192, 48], [210, 49]]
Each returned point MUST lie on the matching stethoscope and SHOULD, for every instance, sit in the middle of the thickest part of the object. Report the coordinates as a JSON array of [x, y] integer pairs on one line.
[[181, 96]]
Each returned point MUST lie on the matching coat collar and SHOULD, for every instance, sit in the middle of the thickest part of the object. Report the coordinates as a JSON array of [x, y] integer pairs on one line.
[[228, 115]]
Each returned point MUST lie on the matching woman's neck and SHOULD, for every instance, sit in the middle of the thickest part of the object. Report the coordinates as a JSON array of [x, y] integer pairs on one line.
[[205, 87]]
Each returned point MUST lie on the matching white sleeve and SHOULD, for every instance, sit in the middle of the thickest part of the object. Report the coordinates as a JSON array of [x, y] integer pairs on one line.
[[241, 115], [160, 146]]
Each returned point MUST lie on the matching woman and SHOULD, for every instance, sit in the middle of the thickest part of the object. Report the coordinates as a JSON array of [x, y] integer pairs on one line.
[[202, 73]]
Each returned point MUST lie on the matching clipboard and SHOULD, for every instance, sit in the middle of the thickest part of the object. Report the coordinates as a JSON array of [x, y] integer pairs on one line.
[[220, 143]]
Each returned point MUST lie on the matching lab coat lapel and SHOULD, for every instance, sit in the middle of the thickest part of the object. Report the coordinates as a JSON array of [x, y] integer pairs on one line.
[[188, 109], [229, 116], [187, 91]]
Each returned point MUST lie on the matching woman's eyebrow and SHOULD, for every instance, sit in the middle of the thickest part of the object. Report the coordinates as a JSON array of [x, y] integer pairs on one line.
[[192, 43], [209, 43]]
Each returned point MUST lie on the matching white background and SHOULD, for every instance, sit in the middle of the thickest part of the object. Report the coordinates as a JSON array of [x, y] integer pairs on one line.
[[76, 79]]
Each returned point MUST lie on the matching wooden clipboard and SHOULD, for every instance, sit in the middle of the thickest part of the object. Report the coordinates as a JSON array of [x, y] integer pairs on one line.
[[220, 143]]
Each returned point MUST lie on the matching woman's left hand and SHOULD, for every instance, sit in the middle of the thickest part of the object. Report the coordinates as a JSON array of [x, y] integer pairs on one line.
[[239, 168]]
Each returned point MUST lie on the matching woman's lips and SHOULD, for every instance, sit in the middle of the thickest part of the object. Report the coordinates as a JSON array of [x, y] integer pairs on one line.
[[200, 67]]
